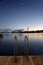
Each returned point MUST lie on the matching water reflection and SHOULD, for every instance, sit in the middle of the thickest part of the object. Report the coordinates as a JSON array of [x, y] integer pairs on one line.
[[20, 34], [34, 35], [35, 43], [29, 35], [1, 37]]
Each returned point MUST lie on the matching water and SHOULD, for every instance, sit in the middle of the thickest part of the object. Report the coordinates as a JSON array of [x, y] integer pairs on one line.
[[35, 43]]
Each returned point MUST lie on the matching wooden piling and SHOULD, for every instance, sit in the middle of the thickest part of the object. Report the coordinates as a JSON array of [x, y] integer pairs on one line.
[[26, 45], [17, 59], [15, 45]]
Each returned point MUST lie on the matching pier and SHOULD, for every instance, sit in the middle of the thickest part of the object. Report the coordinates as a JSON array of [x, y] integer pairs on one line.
[[21, 60]]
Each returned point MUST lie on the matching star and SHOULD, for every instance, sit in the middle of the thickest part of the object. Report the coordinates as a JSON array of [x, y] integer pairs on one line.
[[21, 3]]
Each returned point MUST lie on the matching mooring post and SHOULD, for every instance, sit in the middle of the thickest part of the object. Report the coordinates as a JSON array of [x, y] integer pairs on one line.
[[26, 45], [15, 45]]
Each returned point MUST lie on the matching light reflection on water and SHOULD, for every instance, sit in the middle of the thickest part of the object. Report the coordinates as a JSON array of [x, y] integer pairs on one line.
[[35, 43]]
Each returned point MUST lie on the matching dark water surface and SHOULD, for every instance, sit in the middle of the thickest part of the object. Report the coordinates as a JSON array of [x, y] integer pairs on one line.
[[35, 43]]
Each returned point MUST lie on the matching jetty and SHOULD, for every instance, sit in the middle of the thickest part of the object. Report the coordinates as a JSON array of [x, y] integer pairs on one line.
[[21, 60]]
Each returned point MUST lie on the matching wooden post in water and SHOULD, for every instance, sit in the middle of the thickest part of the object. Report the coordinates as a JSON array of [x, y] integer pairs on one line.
[[17, 58], [15, 45], [26, 45]]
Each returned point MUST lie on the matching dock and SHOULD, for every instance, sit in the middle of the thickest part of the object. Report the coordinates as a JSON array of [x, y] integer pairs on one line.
[[21, 60]]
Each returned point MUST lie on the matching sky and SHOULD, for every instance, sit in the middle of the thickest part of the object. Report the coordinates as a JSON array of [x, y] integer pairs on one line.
[[20, 14]]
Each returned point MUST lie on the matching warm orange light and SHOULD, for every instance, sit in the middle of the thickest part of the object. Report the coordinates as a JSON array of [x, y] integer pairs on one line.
[[33, 28]]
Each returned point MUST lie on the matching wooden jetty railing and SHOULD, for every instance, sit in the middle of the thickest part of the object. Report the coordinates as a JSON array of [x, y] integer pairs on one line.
[[25, 46]]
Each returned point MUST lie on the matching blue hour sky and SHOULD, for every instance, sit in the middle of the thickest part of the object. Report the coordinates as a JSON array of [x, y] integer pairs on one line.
[[16, 14]]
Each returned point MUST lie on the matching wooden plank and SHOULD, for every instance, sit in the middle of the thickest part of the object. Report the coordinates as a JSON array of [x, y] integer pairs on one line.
[[30, 58], [3, 59], [21, 60], [38, 60], [14, 60]]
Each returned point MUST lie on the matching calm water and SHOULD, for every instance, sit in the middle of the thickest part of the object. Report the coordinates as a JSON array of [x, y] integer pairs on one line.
[[35, 43]]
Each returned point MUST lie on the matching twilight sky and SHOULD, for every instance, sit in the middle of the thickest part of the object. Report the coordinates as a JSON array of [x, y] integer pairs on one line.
[[16, 14]]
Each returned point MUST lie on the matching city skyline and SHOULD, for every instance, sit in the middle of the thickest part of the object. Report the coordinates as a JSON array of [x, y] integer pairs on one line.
[[20, 14]]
